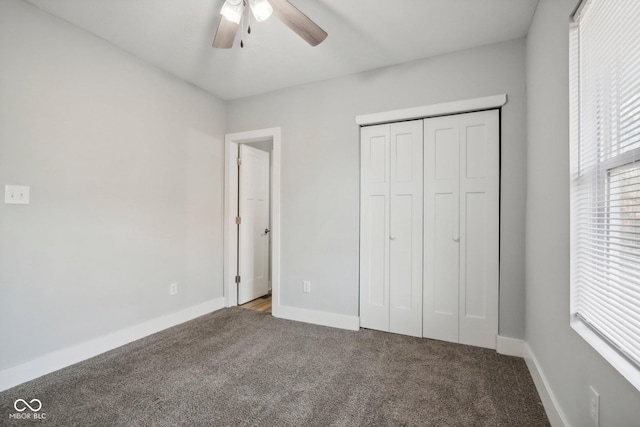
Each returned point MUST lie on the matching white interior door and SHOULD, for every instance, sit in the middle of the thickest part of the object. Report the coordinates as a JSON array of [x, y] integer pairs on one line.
[[479, 228], [391, 228], [253, 236], [374, 227], [441, 228], [461, 239], [405, 238]]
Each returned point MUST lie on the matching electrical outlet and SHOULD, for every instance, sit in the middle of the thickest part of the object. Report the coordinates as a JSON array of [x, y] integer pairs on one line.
[[306, 286], [594, 405], [16, 194], [173, 288]]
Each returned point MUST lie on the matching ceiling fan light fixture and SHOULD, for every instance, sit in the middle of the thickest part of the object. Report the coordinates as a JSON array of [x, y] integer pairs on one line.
[[261, 9], [232, 10]]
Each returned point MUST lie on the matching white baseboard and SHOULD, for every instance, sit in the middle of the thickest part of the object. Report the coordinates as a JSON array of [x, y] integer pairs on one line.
[[510, 346], [68, 356], [322, 318], [554, 413]]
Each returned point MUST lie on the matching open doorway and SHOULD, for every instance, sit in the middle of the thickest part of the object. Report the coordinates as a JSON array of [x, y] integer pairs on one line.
[[252, 218]]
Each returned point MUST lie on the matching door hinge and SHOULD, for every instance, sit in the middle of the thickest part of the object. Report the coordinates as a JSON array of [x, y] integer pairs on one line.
[[238, 161], [238, 220], [237, 279]]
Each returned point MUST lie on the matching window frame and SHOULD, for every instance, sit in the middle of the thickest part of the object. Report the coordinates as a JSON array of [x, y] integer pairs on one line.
[[596, 175]]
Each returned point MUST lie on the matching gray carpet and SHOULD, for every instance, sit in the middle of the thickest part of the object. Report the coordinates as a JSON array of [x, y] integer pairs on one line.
[[240, 367]]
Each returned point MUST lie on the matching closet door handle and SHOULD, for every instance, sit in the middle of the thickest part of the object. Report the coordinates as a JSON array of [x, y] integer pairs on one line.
[[392, 237], [456, 239]]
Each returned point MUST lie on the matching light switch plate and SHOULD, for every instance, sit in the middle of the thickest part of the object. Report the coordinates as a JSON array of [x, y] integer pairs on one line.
[[16, 194]]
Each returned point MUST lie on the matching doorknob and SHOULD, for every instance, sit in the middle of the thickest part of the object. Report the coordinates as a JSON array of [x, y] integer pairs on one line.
[[266, 231], [392, 237], [456, 239]]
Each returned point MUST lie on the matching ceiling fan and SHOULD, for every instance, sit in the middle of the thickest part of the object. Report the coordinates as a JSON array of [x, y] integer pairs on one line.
[[232, 11]]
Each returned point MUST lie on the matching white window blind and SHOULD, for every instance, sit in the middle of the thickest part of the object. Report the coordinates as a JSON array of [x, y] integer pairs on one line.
[[605, 173]]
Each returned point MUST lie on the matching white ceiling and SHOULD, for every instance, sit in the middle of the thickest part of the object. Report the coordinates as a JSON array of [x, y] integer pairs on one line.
[[176, 35]]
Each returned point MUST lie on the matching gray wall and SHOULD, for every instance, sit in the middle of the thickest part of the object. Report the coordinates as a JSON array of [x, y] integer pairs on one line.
[[320, 167], [569, 364], [125, 168]]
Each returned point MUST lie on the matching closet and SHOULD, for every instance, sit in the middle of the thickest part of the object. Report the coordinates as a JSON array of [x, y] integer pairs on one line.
[[429, 233]]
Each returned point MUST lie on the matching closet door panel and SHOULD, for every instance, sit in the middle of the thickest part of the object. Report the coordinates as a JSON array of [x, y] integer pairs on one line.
[[441, 273], [445, 253], [401, 248], [479, 234], [405, 238], [374, 227], [377, 250], [441, 228], [474, 279]]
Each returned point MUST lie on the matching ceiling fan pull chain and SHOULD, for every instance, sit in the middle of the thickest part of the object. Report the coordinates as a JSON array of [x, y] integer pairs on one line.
[[242, 27], [249, 25]]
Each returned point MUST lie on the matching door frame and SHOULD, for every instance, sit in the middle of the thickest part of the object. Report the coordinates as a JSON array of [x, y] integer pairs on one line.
[[231, 143]]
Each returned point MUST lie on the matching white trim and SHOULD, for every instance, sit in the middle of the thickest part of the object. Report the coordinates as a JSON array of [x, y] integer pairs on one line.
[[557, 418], [510, 346], [620, 363], [231, 201], [465, 106], [230, 238], [581, 8], [322, 318], [68, 356]]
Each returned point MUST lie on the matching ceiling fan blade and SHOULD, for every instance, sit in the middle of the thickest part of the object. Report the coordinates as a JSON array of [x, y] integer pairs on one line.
[[298, 22], [225, 34]]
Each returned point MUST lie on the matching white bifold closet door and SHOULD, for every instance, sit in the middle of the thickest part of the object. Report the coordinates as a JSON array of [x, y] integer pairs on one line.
[[461, 228], [391, 227]]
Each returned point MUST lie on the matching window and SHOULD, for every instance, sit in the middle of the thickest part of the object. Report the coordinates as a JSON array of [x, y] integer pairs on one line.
[[605, 180]]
